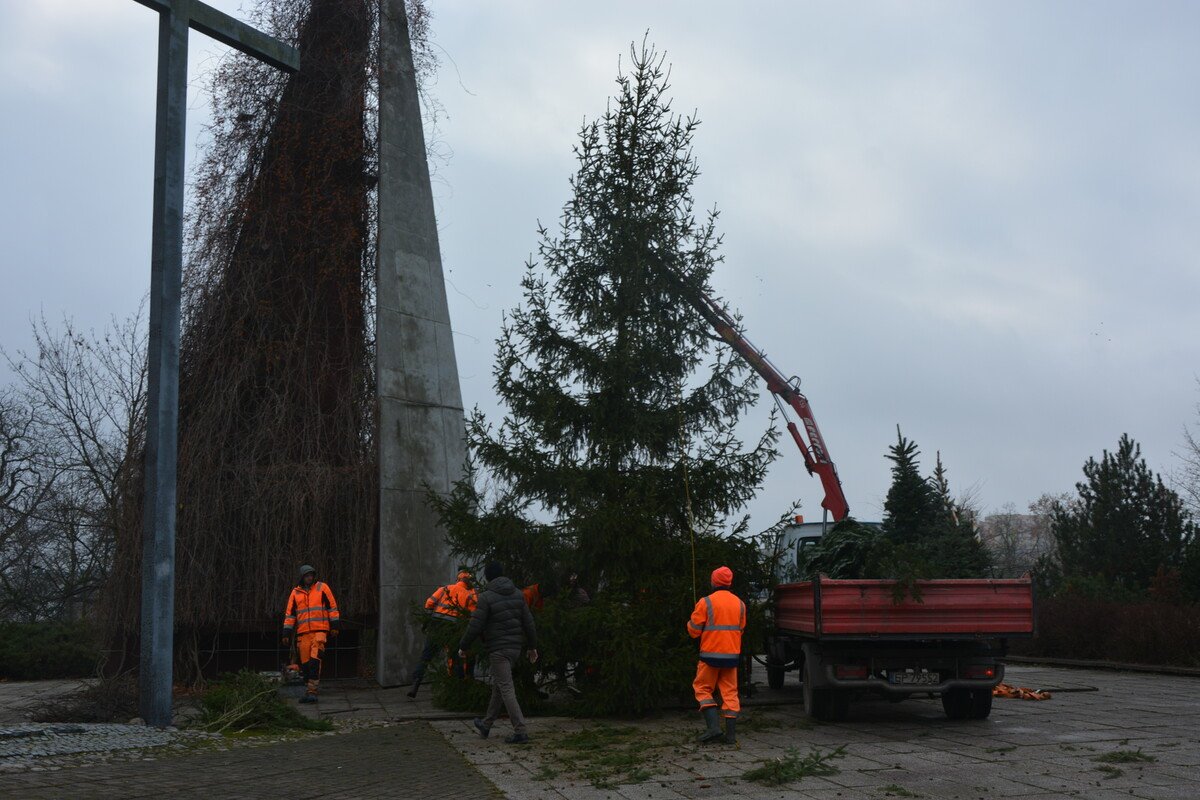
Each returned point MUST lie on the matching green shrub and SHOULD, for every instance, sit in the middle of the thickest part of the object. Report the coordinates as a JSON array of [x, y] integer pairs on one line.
[[246, 701], [46, 650]]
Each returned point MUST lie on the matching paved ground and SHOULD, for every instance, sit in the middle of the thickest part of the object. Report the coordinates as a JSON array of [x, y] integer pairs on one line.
[[1049, 749], [1148, 725], [18, 697], [406, 760], [365, 700]]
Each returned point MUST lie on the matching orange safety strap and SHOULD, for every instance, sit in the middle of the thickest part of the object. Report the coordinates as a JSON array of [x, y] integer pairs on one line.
[[1019, 692]]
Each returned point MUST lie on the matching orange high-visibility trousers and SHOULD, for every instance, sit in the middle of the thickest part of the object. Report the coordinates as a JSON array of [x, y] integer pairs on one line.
[[311, 647], [723, 678]]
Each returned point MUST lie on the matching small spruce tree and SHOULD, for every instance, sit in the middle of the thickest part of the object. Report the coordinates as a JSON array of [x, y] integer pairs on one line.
[[616, 458], [910, 505], [927, 534], [1125, 525]]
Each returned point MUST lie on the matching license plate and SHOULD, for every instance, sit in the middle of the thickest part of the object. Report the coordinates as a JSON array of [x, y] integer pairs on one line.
[[916, 678]]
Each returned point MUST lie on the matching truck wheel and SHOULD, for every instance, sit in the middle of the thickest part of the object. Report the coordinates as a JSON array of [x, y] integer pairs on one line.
[[956, 703], [818, 700], [981, 703], [775, 677]]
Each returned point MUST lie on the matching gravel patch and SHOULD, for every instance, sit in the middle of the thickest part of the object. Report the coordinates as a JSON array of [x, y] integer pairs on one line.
[[35, 746], [39, 747]]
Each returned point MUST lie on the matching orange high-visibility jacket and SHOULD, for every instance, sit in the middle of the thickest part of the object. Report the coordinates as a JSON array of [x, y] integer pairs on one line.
[[310, 610], [453, 601], [718, 621], [533, 597]]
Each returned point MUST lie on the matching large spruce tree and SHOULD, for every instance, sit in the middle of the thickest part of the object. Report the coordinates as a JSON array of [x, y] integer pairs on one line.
[[616, 458]]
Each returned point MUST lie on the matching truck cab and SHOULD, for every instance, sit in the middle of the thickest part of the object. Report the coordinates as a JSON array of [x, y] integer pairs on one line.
[[796, 546]]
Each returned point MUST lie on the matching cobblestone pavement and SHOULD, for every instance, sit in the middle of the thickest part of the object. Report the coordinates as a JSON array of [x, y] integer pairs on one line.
[[408, 760], [1136, 736], [23, 747]]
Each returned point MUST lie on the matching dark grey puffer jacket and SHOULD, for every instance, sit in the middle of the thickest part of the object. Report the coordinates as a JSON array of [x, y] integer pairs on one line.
[[502, 619]]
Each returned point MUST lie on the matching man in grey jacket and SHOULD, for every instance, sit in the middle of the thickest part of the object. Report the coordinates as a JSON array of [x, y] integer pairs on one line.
[[503, 620]]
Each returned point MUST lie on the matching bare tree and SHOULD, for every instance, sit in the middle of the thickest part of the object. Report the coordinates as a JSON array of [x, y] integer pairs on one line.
[[1018, 540], [75, 423], [24, 487], [1187, 479], [1001, 534], [1042, 511]]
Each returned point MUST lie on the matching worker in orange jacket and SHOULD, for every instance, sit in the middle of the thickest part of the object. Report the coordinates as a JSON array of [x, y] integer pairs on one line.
[[446, 605], [312, 615], [718, 621]]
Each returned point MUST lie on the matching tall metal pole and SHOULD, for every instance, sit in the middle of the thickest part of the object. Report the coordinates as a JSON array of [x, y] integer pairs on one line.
[[175, 17], [162, 421]]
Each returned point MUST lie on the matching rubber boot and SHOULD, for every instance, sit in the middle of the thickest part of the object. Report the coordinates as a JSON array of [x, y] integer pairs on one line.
[[730, 731], [713, 732], [412, 693]]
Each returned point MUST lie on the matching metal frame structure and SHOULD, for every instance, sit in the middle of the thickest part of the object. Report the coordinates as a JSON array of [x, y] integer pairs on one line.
[[176, 17]]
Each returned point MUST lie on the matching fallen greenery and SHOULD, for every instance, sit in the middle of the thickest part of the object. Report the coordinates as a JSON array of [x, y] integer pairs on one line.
[[893, 790], [762, 722], [108, 699], [607, 756], [1125, 757], [794, 767], [1110, 771], [246, 702]]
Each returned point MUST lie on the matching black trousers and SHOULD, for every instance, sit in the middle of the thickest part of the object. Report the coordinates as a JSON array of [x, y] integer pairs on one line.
[[458, 666]]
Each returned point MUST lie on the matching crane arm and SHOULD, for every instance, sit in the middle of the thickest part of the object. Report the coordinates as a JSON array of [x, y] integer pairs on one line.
[[786, 394]]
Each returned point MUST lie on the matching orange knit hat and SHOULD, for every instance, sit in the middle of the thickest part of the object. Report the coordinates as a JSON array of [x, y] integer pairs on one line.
[[722, 576]]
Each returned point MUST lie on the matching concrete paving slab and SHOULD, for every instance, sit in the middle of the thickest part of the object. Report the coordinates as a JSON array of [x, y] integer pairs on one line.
[[1025, 750]]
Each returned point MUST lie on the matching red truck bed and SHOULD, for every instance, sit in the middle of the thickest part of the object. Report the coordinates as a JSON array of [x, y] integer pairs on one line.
[[865, 609]]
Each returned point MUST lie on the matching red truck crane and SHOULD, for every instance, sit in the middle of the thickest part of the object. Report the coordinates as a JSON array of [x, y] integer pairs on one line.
[[786, 392], [852, 637]]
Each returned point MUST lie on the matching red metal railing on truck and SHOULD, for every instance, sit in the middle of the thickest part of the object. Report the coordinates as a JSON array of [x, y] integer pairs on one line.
[[867, 609]]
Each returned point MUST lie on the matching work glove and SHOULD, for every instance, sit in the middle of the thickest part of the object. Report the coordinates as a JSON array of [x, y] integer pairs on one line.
[[333, 633], [286, 639]]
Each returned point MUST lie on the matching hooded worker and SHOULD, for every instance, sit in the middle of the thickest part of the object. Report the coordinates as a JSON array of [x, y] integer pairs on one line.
[[718, 621], [312, 615], [505, 623], [447, 604]]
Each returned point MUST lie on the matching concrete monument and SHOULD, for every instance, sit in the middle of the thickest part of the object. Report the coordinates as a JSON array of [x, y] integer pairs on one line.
[[421, 423]]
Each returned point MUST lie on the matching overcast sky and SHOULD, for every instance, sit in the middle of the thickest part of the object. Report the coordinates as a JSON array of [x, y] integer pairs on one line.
[[977, 220]]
